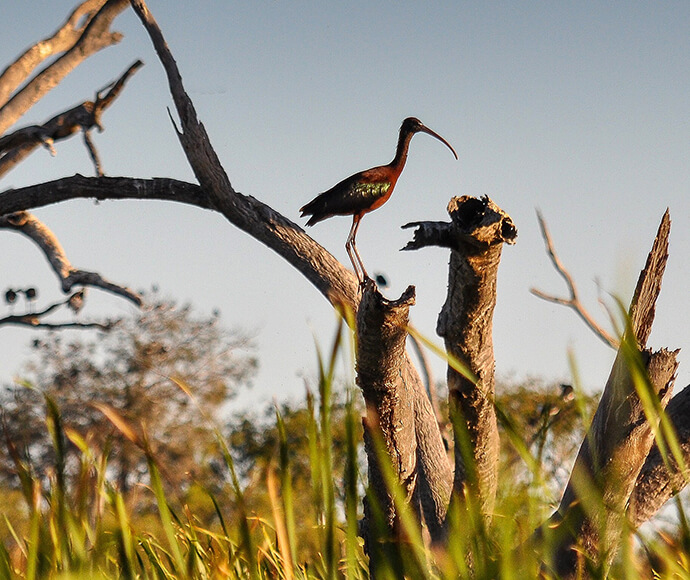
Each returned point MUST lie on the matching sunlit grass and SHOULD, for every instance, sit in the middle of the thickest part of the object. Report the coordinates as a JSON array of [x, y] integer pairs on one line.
[[77, 524]]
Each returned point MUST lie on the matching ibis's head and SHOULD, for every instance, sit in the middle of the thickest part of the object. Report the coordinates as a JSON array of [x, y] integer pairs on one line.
[[412, 125]]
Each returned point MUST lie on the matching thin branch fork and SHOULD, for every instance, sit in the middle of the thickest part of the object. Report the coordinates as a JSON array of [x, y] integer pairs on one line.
[[30, 226], [618, 443], [16, 146], [573, 301], [34, 319]]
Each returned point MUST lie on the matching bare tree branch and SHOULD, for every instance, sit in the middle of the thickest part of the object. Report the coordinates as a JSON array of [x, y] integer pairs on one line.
[[63, 39], [332, 279], [476, 234], [16, 146], [30, 226], [574, 300], [34, 319], [96, 36], [618, 442], [101, 188], [658, 482], [338, 284]]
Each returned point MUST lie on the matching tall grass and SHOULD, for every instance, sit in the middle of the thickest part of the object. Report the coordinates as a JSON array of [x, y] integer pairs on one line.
[[77, 524]]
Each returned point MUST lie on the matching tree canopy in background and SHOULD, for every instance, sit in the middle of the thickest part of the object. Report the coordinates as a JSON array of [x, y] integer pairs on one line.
[[145, 369]]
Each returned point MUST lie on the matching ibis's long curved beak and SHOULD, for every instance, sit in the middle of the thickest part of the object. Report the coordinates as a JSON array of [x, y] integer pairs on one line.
[[441, 139]]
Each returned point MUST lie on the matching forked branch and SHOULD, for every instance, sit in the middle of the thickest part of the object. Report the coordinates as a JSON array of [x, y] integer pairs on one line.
[[36, 319], [69, 276], [95, 36], [620, 436], [16, 146], [573, 301]]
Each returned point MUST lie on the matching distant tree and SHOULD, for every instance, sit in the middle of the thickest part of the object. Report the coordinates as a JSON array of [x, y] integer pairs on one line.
[[131, 369], [551, 421], [255, 440]]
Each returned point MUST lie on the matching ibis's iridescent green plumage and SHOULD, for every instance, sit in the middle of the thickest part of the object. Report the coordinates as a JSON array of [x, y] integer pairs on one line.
[[365, 191]]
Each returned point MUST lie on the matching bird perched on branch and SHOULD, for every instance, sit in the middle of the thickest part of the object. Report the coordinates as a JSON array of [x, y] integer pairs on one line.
[[366, 191]]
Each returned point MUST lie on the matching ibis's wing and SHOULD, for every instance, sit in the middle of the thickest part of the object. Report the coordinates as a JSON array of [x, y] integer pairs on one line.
[[358, 193]]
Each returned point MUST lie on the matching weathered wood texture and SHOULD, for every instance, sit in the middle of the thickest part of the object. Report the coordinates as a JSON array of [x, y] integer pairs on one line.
[[434, 470], [475, 235], [657, 482], [16, 146], [389, 425], [75, 44], [588, 521]]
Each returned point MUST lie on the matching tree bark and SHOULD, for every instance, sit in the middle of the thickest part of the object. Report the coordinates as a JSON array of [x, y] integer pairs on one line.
[[658, 482], [389, 426], [95, 37], [475, 235], [589, 521], [63, 39], [434, 470]]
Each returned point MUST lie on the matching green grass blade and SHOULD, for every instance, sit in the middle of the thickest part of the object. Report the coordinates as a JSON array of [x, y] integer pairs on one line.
[[351, 481], [5, 567], [247, 542], [286, 488], [165, 513], [326, 459], [125, 541]]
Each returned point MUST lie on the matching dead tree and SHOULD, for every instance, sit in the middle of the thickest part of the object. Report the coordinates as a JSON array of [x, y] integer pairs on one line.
[[619, 457], [590, 517]]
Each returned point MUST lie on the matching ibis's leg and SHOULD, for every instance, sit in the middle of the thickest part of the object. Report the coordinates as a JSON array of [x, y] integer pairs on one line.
[[352, 250], [348, 248]]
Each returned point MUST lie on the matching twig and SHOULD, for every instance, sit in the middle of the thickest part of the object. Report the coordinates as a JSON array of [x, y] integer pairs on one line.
[[31, 321], [34, 319], [69, 276], [95, 36], [91, 148], [16, 146], [63, 39], [574, 300]]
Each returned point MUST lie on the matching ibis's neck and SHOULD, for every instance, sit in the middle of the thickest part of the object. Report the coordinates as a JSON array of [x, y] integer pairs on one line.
[[401, 152]]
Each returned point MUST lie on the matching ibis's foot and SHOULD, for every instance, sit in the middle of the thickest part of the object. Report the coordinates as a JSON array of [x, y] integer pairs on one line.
[[363, 283]]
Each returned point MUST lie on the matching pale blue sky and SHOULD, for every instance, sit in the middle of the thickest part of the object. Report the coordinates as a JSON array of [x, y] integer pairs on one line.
[[581, 109]]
